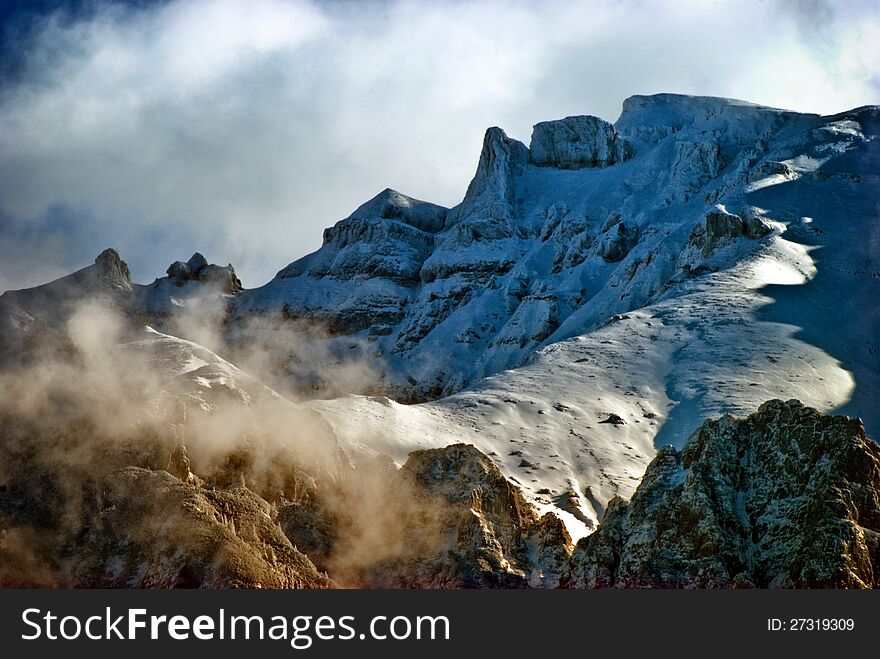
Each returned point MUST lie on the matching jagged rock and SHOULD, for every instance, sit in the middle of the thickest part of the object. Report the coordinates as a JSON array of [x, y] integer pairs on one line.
[[614, 419], [114, 268], [695, 164], [722, 224], [492, 191], [769, 168], [487, 534], [615, 244], [552, 550], [786, 497], [178, 272], [196, 264], [100, 524], [198, 269], [481, 238], [312, 529], [158, 532], [223, 277], [575, 142], [572, 238]]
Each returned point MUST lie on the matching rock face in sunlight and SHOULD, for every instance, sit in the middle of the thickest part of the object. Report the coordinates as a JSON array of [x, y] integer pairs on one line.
[[154, 531], [784, 498], [131, 513], [487, 534]]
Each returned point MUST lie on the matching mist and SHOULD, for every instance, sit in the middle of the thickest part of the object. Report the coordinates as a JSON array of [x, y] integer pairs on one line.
[[100, 414], [243, 128]]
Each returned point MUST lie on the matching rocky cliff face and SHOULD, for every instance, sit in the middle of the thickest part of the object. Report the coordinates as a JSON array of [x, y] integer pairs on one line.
[[78, 510], [783, 498], [489, 535]]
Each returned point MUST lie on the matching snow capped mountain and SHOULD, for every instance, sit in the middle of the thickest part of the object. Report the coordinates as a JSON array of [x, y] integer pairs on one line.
[[691, 260], [597, 294]]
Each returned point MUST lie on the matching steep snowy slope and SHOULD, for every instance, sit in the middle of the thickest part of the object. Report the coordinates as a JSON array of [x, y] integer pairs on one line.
[[29, 316]]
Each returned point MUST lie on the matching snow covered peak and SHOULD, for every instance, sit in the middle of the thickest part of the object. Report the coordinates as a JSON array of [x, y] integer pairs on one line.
[[653, 118], [665, 107], [108, 276], [393, 205]]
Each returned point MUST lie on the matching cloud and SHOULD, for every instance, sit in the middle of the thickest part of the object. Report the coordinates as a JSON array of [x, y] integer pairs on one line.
[[242, 128]]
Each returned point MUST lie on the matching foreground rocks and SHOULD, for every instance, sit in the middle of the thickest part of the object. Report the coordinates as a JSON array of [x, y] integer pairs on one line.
[[784, 498], [73, 515], [447, 519]]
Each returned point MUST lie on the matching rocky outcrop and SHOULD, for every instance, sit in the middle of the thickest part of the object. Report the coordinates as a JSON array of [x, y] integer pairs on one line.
[[575, 142], [786, 497], [722, 224], [113, 270], [770, 168], [155, 531], [481, 237], [696, 162], [485, 534], [617, 240], [94, 522], [197, 269]]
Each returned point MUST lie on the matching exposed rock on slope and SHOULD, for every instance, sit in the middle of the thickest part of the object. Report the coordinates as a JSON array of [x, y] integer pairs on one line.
[[151, 462], [91, 521], [459, 523], [785, 497], [155, 531], [198, 269], [191, 288]]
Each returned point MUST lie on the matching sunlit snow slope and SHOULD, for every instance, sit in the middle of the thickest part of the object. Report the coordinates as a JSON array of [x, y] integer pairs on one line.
[[748, 268]]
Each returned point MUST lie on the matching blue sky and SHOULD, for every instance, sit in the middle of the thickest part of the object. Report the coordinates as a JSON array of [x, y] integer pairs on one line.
[[242, 128]]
